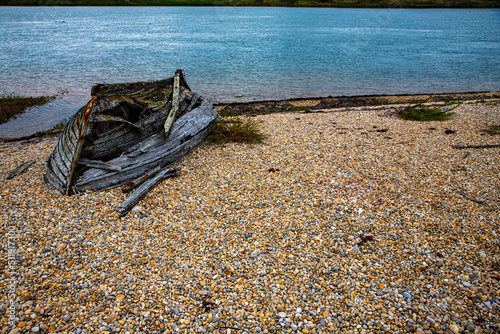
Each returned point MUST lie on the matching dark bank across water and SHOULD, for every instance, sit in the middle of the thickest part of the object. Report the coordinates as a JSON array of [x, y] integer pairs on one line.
[[311, 105], [315, 104]]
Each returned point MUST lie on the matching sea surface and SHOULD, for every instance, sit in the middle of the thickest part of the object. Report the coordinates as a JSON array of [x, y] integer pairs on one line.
[[243, 54]]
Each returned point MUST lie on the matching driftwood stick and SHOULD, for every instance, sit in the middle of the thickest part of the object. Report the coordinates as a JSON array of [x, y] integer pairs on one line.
[[143, 189], [414, 106], [458, 105], [20, 169], [475, 146], [479, 201]]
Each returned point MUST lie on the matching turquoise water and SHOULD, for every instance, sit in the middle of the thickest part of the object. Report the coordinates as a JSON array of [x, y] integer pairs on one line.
[[260, 53]]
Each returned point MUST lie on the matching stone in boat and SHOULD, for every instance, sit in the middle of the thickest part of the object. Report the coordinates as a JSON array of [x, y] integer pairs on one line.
[[127, 130]]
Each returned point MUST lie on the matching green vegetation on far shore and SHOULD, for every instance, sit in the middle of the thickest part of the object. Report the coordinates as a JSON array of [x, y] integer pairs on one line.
[[12, 106], [266, 3]]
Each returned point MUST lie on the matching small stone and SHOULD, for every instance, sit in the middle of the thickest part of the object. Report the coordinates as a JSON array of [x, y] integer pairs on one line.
[[26, 297], [466, 284], [455, 329], [282, 314], [137, 208], [120, 298], [35, 329], [112, 318], [21, 324], [407, 295], [280, 308]]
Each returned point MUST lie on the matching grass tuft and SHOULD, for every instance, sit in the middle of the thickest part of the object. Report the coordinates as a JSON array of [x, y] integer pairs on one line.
[[425, 114], [451, 102], [299, 108], [493, 130], [12, 106], [236, 130], [59, 126]]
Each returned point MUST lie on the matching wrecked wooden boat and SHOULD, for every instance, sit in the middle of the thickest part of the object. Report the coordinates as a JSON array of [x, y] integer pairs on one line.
[[126, 131]]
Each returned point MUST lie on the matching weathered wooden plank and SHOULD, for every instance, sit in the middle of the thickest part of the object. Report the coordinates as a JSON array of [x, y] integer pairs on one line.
[[98, 164], [51, 179], [110, 118], [65, 151], [143, 189], [116, 179], [195, 98], [111, 148], [125, 138], [62, 166], [153, 123], [136, 183], [184, 128], [20, 169], [78, 149], [56, 170], [188, 125], [141, 148], [175, 106]]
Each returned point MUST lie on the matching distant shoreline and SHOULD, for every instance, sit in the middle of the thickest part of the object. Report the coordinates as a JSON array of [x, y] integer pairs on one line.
[[316, 104], [380, 4]]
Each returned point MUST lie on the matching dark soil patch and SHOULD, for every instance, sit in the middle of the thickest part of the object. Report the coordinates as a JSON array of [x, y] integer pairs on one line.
[[315, 104]]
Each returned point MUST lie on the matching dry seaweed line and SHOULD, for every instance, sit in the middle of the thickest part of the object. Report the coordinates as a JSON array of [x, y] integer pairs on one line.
[[475, 146]]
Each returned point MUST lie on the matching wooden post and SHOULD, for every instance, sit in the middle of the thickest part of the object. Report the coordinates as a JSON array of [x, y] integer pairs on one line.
[[175, 105]]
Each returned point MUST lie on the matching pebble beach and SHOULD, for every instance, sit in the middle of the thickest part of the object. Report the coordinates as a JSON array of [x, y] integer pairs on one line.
[[345, 220]]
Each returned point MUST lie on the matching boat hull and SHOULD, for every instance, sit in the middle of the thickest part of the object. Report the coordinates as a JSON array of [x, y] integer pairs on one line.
[[119, 135]]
